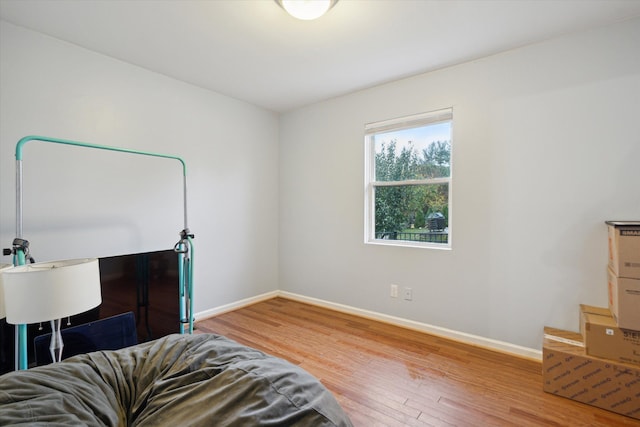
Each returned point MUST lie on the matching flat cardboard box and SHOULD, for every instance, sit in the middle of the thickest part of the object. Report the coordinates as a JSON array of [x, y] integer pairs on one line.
[[624, 301], [624, 248], [568, 372], [603, 338]]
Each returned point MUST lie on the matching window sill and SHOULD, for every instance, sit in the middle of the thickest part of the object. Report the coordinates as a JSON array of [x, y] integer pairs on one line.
[[409, 244]]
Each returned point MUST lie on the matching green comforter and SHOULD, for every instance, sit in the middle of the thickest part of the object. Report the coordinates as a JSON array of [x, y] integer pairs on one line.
[[178, 380]]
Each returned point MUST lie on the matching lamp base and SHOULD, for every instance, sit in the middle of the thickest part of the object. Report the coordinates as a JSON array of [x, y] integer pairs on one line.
[[56, 345]]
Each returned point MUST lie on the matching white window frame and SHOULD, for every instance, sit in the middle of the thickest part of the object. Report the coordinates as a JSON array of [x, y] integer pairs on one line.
[[407, 122]]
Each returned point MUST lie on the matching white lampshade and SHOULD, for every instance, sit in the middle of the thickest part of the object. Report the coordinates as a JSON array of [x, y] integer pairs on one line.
[[3, 267], [51, 290]]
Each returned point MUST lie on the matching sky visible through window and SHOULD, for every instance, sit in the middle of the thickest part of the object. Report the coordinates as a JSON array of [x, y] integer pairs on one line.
[[420, 136]]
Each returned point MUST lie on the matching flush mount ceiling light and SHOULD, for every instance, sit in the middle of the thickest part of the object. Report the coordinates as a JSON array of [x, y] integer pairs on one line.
[[306, 9]]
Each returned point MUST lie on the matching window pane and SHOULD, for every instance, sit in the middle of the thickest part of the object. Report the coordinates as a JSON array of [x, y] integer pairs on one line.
[[412, 212], [417, 153]]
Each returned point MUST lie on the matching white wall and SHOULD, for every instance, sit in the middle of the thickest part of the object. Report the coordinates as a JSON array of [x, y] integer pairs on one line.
[[81, 202], [546, 145]]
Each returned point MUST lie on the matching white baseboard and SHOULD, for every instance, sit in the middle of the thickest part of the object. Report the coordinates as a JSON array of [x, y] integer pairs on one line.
[[488, 343], [234, 305]]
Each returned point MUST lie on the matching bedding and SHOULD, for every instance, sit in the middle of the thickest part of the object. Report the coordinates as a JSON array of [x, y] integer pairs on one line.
[[177, 380]]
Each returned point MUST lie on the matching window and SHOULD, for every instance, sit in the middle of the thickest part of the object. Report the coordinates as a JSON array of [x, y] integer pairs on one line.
[[408, 180]]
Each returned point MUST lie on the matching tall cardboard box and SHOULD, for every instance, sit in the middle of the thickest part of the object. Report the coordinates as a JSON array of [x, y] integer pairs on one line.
[[603, 338], [568, 372], [624, 248], [624, 300]]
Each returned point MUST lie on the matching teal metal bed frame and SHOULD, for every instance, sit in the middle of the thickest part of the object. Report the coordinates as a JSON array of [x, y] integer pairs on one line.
[[184, 247]]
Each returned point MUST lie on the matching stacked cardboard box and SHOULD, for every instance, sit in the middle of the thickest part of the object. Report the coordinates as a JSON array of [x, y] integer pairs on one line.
[[604, 338], [600, 366], [569, 372], [624, 273], [624, 248]]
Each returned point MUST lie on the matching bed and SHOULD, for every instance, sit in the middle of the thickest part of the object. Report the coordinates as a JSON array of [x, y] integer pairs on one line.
[[186, 380]]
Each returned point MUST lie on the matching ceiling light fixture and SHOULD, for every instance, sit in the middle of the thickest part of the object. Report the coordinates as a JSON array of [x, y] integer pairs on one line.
[[306, 9]]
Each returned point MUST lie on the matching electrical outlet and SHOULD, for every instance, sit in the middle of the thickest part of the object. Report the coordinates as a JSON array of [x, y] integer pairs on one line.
[[407, 294], [394, 291]]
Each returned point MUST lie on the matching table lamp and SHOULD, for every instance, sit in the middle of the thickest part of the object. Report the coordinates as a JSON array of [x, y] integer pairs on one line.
[[2, 310], [50, 291]]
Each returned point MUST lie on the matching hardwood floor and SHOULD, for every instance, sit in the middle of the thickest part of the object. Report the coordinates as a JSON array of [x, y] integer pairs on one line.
[[384, 375]]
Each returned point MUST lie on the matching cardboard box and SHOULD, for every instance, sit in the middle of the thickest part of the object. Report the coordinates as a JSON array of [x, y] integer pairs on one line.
[[568, 372], [624, 248], [603, 338], [624, 301]]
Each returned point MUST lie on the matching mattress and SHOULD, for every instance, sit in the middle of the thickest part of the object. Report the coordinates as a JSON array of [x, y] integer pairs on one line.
[[186, 380]]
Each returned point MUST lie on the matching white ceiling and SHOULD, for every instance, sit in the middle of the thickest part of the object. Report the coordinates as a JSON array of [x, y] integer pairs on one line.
[[253, 51]]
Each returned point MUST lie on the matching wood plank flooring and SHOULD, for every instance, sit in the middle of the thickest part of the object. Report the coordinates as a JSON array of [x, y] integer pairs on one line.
[[384, 375]]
